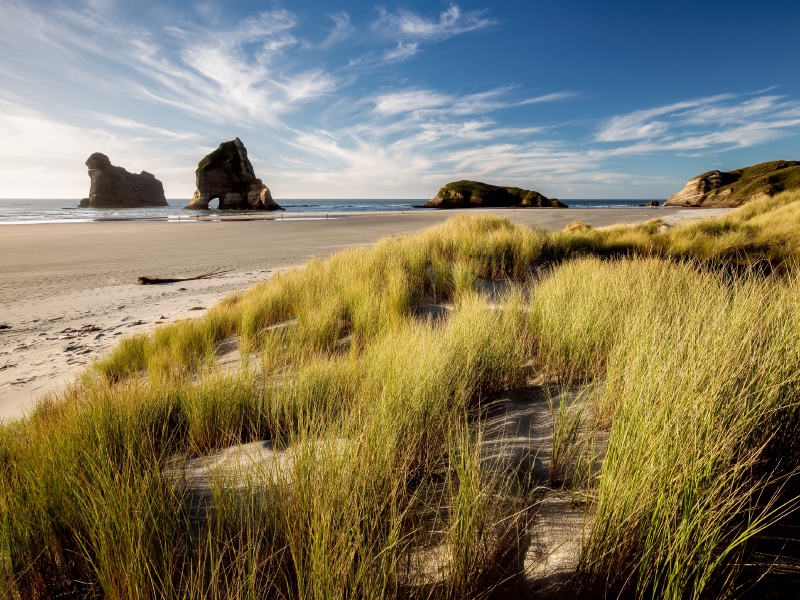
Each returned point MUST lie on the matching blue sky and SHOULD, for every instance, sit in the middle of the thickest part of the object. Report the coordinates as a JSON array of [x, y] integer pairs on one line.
[[367, 100]]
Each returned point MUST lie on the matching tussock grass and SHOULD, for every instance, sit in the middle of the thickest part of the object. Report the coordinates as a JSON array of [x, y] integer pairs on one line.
[[372, 437], [363, 292], [695, 391], [765, 230], [379, 492]]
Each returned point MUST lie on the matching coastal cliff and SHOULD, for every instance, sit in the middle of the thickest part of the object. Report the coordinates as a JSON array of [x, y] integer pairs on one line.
[[734, 188], [474, 194]]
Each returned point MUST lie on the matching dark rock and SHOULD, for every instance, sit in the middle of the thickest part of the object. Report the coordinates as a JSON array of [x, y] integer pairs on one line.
[[651, 203], [733, 188], [226, 174], [474, 194], [114, 187]]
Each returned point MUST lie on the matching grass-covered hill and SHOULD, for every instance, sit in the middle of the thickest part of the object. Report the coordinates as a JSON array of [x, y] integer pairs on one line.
[[468, 194], [733, 188], [673, 456]]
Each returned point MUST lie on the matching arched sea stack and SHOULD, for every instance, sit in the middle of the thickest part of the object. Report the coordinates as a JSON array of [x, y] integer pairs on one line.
[[226, 174]]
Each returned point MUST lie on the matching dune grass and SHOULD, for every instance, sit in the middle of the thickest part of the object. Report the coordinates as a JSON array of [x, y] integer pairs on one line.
[[695, 391], [693, 365]]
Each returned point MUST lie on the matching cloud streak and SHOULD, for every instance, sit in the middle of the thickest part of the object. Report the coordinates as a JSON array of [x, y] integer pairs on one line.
[[407, 25], [343, 29], [725, 121], [425, 103]]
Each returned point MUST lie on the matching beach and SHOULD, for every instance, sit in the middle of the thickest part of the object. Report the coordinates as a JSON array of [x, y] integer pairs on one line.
[[69, 292]]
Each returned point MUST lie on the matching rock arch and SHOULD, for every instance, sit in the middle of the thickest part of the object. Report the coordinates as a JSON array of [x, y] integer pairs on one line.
[[228, 175]]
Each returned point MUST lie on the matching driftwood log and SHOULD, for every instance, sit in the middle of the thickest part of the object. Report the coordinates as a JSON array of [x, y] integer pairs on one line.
[[156, 280]]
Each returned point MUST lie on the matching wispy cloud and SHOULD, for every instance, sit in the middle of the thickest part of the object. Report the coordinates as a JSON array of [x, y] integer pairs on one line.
[[410, 26], [342, 29], [409, 31], [726, 120], [239, 72], [214, 74], [132, 125], [424, 103], [409, 100], [554, 97], [401, 52], [48, 154]]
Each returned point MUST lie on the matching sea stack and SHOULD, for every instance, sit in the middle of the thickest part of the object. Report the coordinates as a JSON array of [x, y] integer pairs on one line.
[[734, 188], [474, 194], [227, 175], [114, 187]]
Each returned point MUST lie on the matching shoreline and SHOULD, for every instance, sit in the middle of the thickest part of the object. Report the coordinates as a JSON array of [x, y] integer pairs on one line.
[[317, 215], [69, 291]]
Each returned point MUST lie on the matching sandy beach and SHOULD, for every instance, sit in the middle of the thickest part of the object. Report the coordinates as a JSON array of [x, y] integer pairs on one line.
[[69, 292]]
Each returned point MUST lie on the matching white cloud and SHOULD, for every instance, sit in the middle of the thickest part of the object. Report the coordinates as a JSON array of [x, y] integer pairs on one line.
[[401, 52], [130, 124], [236, 72], [409, 100], [46, 158], [426, 103], [554, 97], [215, 76], [724, 120], [452, 22], [639, 124], [342, 30]]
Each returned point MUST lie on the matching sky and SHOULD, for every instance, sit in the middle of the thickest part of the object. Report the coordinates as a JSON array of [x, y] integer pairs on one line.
[[355, 99]]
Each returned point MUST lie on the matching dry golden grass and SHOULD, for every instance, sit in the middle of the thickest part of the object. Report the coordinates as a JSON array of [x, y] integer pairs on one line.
[[693, 361]]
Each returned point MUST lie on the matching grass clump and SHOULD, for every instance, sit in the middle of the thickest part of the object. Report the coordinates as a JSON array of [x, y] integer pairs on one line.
[[695, 390], [363, 292], [376, 487], [373, 465], [765, 231]]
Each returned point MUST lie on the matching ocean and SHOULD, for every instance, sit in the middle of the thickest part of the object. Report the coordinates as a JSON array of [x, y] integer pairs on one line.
[[58, 211]]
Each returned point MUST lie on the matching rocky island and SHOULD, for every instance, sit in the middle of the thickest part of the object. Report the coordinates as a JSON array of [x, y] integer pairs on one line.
[[734, 188], [114, 187], [227, 175], [474, 194]]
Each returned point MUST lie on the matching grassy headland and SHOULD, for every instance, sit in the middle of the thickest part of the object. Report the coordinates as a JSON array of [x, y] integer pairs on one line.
[[684, 339], [734, 188], [467, 194]]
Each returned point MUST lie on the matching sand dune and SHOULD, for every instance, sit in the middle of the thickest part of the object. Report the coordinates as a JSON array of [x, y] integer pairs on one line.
[[68, 291]]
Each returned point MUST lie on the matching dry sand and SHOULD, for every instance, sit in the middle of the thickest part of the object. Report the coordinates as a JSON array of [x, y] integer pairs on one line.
[[68, 291]]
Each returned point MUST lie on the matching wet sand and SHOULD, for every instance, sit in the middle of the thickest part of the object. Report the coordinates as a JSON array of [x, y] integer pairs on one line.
[[68, 291]]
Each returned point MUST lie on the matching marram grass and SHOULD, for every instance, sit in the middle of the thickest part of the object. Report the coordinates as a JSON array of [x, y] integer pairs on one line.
[[692, 361]]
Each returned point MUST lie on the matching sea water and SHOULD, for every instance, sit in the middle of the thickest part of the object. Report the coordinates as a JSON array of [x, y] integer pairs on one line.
[[59, 211]]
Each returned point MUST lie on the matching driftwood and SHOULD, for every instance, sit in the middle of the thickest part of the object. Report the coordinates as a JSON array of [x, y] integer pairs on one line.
[[157, 280]]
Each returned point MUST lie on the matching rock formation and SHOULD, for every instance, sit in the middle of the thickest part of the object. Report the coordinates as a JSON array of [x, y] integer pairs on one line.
[[474, 194], [114, 187], [650, 203], [226, 174], [733, 188]]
